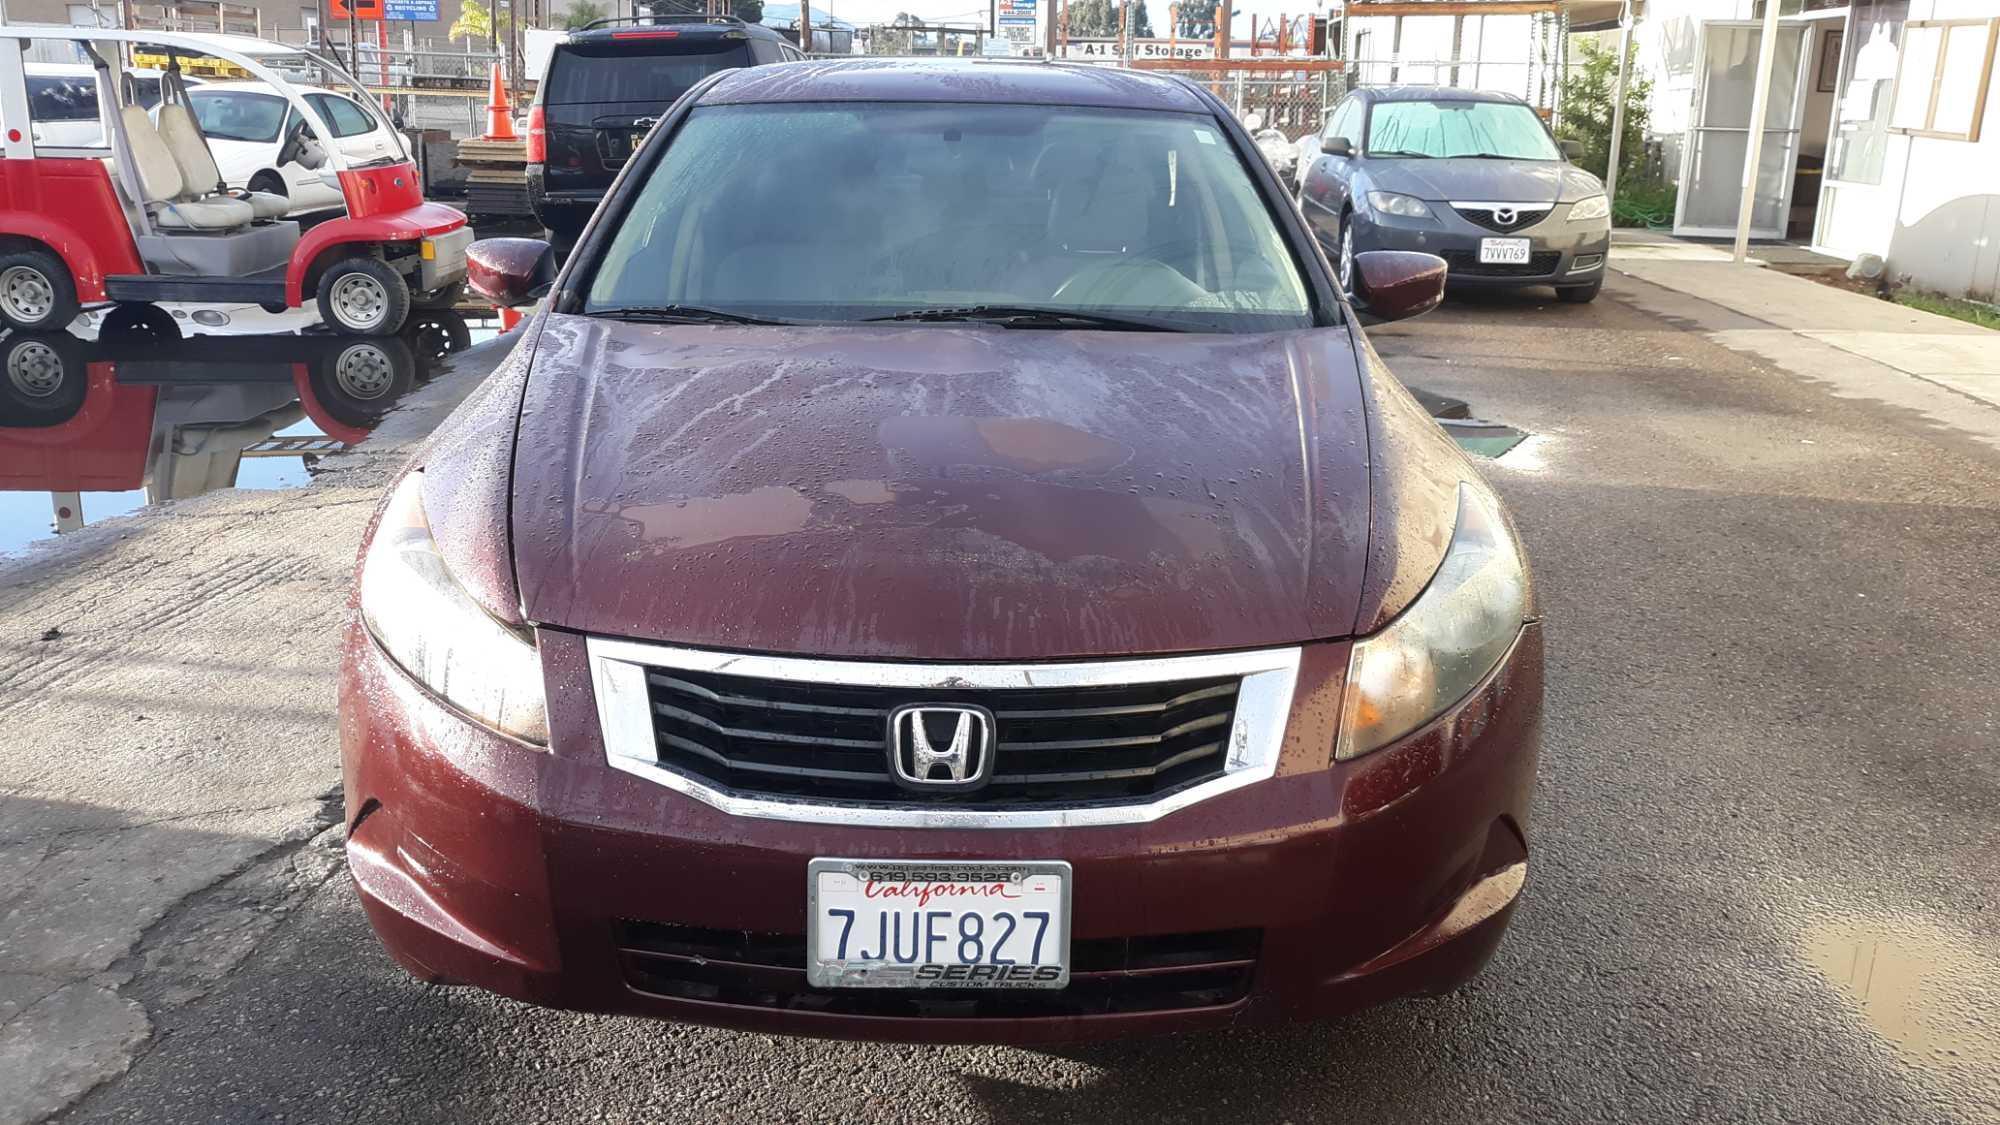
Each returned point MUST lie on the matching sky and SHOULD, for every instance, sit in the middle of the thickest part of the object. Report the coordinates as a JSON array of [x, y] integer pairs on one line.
[[971, 11]]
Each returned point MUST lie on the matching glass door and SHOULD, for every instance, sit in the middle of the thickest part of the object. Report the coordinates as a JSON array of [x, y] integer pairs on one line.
[[1717, 145]]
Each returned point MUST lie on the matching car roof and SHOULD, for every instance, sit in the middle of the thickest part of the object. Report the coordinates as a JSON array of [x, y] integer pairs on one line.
[[997, 81], [689, 28], [1435, 94]]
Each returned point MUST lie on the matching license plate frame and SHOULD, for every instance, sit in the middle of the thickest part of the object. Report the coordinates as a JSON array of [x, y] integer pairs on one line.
[[879, 972], [1505, 251]]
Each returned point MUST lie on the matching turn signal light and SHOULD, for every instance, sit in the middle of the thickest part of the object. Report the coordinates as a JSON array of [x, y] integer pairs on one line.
[[538, 136]]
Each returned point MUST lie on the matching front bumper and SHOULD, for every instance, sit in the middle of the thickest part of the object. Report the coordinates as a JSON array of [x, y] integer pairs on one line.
[[1562, 253], [441, 259], [552, 878]]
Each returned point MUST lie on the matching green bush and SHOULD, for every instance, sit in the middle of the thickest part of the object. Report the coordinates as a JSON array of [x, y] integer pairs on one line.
[[1643, 203], [1588, 92]]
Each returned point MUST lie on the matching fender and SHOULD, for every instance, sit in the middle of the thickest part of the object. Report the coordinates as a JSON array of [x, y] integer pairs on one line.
[[102, 448], [406, 225], [67, 204]]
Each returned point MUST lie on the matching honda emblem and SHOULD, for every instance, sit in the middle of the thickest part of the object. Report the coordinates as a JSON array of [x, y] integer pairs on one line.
[[937, 747]]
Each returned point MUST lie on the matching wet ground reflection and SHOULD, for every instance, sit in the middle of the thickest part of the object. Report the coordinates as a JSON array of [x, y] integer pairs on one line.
[[1930, 994], [92, 428]]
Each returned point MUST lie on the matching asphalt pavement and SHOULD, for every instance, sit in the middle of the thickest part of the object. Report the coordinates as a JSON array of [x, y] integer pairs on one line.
[[1763, 880]]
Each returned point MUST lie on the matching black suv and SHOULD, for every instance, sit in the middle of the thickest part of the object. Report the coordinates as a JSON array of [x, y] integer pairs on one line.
[[605, 87]]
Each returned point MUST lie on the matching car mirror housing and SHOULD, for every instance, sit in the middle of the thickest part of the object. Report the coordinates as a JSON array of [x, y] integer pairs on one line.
[[1571, 150], [509, 271], [1398, 284], [1336, 146]]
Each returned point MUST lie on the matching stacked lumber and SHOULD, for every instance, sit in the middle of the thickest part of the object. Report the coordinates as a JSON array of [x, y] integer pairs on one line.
[[496, 181]]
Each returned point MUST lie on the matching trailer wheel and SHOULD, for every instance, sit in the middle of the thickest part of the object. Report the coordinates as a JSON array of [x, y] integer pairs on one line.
[[130, 321], [363, 297], [36, 291]]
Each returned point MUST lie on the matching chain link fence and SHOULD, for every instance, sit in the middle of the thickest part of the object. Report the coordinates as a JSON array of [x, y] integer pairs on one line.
[[1292, 96]]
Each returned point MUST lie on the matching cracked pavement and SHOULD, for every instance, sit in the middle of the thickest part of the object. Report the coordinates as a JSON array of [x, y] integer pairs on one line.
[[171, 758], [1762, 889]]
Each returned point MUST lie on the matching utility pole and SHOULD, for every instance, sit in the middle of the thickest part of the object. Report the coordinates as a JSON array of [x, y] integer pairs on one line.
[[805, 26], [1225, 17], [1760, 104], [1618, 104]]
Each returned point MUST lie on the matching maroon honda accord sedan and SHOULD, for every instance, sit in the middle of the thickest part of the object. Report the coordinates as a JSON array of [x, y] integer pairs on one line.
[[943, 563]]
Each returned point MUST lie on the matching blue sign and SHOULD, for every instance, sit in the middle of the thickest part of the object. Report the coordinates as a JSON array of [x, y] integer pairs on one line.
[[410, 9]]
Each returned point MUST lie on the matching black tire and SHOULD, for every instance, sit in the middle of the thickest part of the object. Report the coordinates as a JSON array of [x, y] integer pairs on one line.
[[130, 322], [446, 298], [43, 378], [1343, 256], [1579, 294], [359, 381], [434, 334], [37, 294], [363, 297], [271, 182]]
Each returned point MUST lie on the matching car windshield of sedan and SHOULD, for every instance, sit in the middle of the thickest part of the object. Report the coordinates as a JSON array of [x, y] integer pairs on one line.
[[866, 211], [239, 117], [1505, 130]]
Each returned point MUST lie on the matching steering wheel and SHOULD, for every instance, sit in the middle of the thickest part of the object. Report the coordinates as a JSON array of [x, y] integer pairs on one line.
[[299, 148]]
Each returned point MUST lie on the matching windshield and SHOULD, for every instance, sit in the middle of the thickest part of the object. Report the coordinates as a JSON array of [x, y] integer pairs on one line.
[[1459, 128], [577, 76], [238, 116], [851, 211]]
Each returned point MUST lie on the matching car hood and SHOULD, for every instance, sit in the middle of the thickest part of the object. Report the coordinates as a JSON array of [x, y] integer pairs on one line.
[[1484, 181], [941, 492]]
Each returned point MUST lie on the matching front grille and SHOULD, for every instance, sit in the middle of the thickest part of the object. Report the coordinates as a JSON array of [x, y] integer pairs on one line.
[[1055, 747], [1490, 219], [1153, 973], [1466, 263]]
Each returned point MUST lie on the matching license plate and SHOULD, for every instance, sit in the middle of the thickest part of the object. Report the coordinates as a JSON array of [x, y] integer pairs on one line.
[[1503, 251], [937, 924]]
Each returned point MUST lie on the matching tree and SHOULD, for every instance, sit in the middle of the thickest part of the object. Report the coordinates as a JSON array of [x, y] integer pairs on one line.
[[1588, 94], [582, 13], [1098, 19], [475, 23], [1196, 19]]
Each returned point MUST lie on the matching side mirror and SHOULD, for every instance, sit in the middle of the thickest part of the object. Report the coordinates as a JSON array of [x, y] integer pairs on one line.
[[1336, 146], [1398, 284], [509, 271], [1572, 150]]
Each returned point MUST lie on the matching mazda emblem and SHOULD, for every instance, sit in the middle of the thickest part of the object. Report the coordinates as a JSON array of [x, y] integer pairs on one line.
[[1505, 216], [941, 746]]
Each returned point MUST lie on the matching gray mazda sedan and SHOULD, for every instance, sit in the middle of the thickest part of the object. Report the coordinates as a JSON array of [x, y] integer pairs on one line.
[[1473, 177]]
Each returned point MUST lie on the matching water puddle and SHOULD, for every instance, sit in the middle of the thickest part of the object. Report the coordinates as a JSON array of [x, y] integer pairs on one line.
[[1932, 995], [92, 428]]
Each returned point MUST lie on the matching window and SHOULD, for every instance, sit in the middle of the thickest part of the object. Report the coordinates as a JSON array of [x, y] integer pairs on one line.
[[1941, 84], [590, 74], [62, 99], [1346, 122], [1145, 215], [229, 116], [1861, 123], [342, 116], [1459, 128]]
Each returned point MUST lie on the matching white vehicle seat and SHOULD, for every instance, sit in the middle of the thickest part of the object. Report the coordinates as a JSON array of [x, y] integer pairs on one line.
[[199, 175], [160, 184]]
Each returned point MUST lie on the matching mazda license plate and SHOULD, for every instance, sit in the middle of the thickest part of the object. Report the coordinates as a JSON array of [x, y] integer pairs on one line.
[[1503, 251], [937, 924]]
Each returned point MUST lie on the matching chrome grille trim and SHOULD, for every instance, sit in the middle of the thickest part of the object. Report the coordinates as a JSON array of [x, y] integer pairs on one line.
[[619, 669]]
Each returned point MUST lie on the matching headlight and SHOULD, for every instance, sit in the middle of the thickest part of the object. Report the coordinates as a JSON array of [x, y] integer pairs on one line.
[[1591, 207], [1446, 642], [432, 628], [1391, 203]]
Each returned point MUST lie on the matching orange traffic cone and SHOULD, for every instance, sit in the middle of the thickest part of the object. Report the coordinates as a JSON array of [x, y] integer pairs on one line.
[[499, 111]]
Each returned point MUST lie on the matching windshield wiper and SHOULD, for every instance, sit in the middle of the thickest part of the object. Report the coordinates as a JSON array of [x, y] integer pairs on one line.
[[1029, 316], [680, 314], [1398, 152], [1492, 156]]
